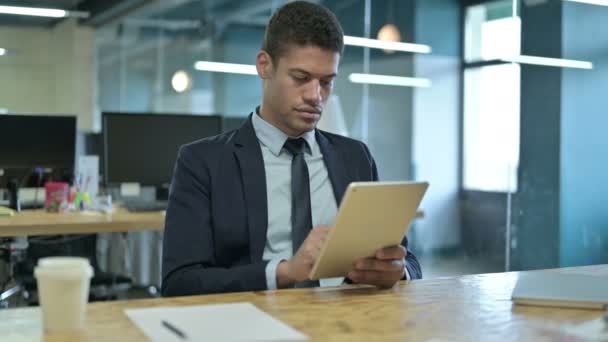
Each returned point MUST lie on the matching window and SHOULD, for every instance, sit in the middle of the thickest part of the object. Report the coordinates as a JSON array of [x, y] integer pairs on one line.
[[491, 99]]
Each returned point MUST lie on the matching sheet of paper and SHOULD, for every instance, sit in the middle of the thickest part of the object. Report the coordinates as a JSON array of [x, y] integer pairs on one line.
[[221, 322]]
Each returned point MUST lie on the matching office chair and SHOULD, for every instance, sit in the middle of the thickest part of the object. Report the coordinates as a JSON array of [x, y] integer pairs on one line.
[[104, 285]]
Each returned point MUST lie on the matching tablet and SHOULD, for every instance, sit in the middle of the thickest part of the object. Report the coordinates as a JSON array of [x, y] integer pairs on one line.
[[372, 215]]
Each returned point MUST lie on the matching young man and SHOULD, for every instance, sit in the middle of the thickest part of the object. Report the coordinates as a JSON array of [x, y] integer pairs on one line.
[[243, 204]]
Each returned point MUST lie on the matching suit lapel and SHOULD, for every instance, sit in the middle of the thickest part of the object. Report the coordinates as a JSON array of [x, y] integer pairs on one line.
[[251, 166], [335, 164]]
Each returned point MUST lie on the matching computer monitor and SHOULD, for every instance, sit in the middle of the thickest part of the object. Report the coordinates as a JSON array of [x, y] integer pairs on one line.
[[36, 148], [142, 147]]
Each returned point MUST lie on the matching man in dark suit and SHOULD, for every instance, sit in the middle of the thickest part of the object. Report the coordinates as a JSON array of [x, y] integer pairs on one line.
[[250, 209]]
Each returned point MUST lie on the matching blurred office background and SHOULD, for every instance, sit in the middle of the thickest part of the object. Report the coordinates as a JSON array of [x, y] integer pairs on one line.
[[500, 105]]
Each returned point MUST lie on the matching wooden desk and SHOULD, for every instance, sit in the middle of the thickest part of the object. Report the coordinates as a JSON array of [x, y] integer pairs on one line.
[[468, 308], [39, 222]]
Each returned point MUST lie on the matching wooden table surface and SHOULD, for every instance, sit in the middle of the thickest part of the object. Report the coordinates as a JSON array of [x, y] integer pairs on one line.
[[467, 308], [39, 222]]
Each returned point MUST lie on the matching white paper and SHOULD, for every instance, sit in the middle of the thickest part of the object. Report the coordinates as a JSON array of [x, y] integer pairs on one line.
[[221, 322]]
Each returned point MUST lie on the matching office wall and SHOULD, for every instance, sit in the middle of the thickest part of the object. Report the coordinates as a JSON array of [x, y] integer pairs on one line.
[[389, 123], [389, 126], [436, 112], [584, 119], [137, 97], [49, 71], [384, 121], [238, 95], [560, 213], [26, 71], [390, 119]]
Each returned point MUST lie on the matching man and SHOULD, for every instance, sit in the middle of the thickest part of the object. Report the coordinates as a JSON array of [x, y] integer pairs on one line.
[[243, 204]]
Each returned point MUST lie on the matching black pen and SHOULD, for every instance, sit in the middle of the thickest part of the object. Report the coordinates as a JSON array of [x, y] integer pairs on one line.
[[174, 329]]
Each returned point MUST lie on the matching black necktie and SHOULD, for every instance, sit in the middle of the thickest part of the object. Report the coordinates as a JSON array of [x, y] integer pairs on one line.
[[301, 217]]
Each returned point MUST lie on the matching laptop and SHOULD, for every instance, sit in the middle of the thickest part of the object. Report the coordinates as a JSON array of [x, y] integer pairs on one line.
[[560, 289]]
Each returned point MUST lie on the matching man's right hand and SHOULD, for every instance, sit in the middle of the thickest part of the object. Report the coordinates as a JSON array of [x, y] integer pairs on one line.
[[298, 268]]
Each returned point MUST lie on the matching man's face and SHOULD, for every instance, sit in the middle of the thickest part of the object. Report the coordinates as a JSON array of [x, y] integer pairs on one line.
[[297, 87]]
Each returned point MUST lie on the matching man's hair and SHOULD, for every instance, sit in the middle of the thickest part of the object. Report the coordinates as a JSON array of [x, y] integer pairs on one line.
[[302, 23]]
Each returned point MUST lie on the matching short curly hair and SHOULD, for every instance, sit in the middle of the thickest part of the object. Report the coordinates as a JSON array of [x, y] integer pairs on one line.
[[304, 24]]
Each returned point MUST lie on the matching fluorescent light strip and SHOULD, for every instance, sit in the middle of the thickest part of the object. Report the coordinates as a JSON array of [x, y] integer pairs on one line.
[[231, 68], [385, 45], [33, 11], [554, 62], [390, 80], [592, 2], [2, 52]]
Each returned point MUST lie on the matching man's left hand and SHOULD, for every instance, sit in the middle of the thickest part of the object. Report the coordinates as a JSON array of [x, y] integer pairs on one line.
[[383, 270]]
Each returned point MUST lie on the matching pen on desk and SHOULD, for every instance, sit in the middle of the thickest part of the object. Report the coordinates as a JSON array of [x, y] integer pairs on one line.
[[174, 330]]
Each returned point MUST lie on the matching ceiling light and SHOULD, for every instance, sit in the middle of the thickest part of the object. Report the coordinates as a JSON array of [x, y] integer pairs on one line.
[[390, 80], [592, 2], [39, 12], [42, 12], [2, 52], [553, 62], [181, 81], [389, 33], [232, 68], [386, 45]]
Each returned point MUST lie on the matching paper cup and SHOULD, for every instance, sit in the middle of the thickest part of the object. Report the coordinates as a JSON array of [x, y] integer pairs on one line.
[[63, 291]]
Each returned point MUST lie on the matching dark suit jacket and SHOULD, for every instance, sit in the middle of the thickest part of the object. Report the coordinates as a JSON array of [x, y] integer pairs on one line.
[[216, 222]]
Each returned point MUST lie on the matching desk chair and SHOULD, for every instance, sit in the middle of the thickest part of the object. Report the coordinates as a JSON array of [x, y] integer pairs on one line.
[[10, 251], [104, 285]]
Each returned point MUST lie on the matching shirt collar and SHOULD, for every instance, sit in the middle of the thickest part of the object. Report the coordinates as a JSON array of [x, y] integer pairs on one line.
[[273, 138]]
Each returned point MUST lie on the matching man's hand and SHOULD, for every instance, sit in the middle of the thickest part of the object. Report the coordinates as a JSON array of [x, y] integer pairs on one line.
[[383, 270], [299, 266]]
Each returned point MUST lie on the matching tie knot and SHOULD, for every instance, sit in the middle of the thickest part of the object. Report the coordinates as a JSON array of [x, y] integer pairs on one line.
[[296, 146]]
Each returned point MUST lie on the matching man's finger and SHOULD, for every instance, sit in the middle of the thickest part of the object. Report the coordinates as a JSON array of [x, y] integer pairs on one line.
[[372, 264], [374, 277], [392, 252]]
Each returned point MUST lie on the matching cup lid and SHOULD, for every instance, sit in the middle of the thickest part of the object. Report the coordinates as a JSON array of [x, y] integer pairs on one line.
[[63, 261], [64, 267]]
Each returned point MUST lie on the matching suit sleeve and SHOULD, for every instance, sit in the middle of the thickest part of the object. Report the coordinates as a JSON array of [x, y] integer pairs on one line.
[[188, 264], [411, 262]]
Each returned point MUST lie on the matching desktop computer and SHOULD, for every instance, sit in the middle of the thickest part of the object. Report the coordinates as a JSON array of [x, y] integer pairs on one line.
[[35, 149], [142, 148]]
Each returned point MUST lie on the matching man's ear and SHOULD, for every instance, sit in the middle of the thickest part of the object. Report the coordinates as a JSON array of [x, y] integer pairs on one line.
[[263, 64]]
